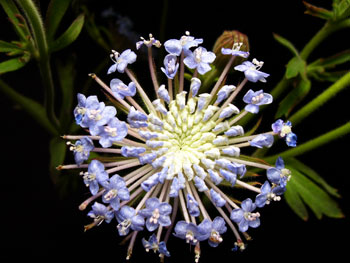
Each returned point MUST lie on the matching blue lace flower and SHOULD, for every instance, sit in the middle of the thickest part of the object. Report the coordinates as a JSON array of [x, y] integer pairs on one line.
[[152, 243], [116, 190], [245, 217], [279, 175], [187, 231], [251, 71], [114, 131], [95, 176], [175, 46], [81, 149], [120, 90], [212, 230], [121, 61], [157, 213], [170, 66], [267, 195], [256, 99], [101, 213], [262, 140], [128, 219], [200, 60], [284, 130], [235, 51]]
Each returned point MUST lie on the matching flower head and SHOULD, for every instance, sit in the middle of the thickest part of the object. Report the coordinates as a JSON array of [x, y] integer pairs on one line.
[[176, 150]]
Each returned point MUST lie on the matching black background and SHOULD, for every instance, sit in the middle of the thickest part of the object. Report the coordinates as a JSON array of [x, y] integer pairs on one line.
[[38, 223]]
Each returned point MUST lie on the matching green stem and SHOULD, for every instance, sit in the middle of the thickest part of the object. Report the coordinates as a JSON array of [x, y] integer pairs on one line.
[[325, 31], [39, 36], [321, 99], [314, 143]]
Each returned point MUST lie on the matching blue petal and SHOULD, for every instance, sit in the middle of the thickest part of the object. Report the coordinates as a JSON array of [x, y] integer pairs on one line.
[[237, 215], [173, 46], [279, 163], [151, 226], [152, 203], [112, 69], [274, 175], [252, 108], [219, 225], [248, 205]]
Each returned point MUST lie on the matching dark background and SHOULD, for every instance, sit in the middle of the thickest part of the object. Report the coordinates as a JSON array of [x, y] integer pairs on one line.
[[39, 222]]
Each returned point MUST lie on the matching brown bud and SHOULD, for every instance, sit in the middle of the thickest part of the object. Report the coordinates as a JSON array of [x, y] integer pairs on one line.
[[227, 40]]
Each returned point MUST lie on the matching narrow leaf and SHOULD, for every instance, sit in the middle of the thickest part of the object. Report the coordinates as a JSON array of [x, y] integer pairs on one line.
[[313, 175], [12, 65], [285, 42], [341, 9], [58, 150], [32, 107], [9, 47], [330, 62], [293, 98], [316, 198], [70, 35], [54, 15], [318, 11], [294, 201]]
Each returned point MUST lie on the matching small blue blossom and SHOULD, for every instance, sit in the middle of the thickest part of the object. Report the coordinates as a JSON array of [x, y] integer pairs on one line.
[[187, 231], [244, 217], [157, 213], [200, 59], [217, 198], [214, 177], [170, 66], [127, 218], [199, 183], [83, 104], [81, 149], [132, 151], [153, 244], [235, 51], [237, 168], [228, 176], [279, 175], [192, 206], [212, 231], [121, 60], [150, 182], [262, 140], [164, 94], [267, 195], [136, 119], [235, 131], [284, 130], [95, 175], [120, 90], [224, 92], [148, 43], [177, 184], [251, 71], [101, 213], [116, 190], [175, 46], [195, 85], [147, 158], [114, 131], [256, 99]]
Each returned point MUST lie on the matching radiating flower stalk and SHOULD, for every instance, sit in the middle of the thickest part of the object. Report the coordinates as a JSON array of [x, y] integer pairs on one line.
[[178, 151]]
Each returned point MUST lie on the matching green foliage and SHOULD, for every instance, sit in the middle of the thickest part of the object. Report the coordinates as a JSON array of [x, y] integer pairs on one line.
[[307, 188]]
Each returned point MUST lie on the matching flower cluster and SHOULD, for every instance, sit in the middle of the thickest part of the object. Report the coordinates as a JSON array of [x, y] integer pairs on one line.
[[180, 148]]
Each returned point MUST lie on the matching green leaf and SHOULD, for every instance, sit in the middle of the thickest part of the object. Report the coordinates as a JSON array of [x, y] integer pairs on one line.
[[295, 66], [295, 202], [329, 62], [293, 98], [54, 15], [318, 11], [33, 108], [341, 9], [12, 11], [12, 64], [313, 196], [285, 42], [328, 76], [9, 47], [313, 175], [58, 149], [70, 35]]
